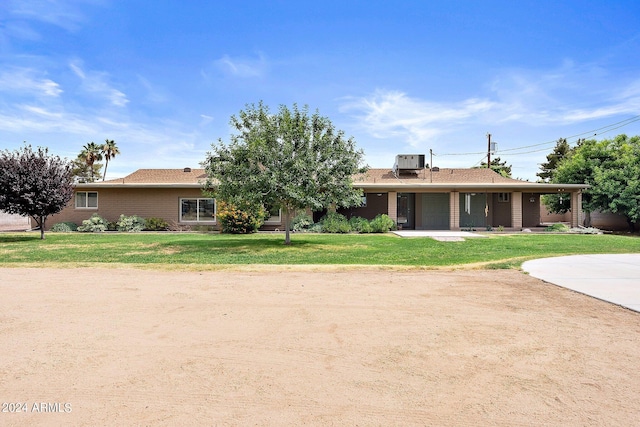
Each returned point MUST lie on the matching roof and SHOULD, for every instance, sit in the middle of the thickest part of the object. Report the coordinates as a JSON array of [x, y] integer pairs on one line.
[[444, 179], [437, 176], [374, 179], [181, 178]]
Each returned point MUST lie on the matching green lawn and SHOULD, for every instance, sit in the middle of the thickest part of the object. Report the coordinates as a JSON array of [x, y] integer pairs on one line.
[[192, 250]]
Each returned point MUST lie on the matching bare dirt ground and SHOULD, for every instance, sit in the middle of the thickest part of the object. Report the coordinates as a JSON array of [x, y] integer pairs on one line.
[[90, 347]]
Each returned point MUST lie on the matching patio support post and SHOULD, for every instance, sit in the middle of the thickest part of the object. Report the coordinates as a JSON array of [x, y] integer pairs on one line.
[[576, 209], [454, 210], [516, 210], [392, 206]]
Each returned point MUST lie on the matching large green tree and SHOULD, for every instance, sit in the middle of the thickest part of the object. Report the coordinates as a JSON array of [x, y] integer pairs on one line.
[[289, 160], [561, 202], [611, 167], [34, 183], [617, 182], [560, 151]]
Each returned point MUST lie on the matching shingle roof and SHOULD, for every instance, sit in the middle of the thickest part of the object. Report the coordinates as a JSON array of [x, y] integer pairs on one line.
[[373, 176], [163, 176], [441, 180], [441, 176]]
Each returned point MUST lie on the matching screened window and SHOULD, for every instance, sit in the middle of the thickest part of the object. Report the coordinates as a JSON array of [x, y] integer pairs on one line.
[[87, 200], [197, 210]]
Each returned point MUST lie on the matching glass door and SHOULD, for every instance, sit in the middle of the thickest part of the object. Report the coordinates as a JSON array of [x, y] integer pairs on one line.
[[406, 211]]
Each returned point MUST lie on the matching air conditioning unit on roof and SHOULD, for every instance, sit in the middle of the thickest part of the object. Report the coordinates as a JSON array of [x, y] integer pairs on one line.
[[409, 162]]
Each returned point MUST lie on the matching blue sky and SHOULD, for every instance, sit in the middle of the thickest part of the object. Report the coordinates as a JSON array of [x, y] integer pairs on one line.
[[163, 77]]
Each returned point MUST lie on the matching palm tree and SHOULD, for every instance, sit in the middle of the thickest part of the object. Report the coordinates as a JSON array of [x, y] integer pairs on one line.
[[91, 153], [109, 151]]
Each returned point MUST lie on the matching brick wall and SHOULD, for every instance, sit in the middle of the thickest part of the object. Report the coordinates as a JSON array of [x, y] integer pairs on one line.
[[145, 202]]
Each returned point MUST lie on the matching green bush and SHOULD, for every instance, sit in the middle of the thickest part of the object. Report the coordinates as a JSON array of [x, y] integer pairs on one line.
[[359, 224], [64, 227], [382, 224], [301, 222], [130, 224], [95, 224], [315, 228], [156, 224], [558, 228], [240, 217], [334, 222]]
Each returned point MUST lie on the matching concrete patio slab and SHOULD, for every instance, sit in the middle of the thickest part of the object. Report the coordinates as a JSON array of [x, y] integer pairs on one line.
[[440, 235], [612, 278]]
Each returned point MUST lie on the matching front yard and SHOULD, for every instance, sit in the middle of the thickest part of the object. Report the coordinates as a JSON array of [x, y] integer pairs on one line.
[[206, 251]]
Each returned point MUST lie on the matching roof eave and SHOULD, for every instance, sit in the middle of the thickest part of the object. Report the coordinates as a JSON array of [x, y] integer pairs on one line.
[[525, 186], [88, 185]]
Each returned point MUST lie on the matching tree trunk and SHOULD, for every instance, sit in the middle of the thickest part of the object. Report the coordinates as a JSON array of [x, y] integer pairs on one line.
[[287, 237], [632, 225], [41, 222], [587, 219], [106, 165]]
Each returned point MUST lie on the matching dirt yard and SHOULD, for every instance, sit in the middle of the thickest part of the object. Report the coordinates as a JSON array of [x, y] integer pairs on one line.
[[89, 347]]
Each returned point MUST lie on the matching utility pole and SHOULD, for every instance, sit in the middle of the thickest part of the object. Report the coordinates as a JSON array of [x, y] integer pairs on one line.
[[489, 150], [431, 164]]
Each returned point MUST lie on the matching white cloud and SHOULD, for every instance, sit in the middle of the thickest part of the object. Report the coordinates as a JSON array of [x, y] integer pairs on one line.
[[97, 83], [65, 14], [566, 95], [25, 80], [393, 114], [242, 67], [517, 99], [205, 119], [153, 93]]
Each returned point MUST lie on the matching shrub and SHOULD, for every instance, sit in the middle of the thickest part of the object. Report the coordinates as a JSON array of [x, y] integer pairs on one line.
[[95, 224], [558, 228], [359, 224], [382, 224], [586, 230], [130, 224], [334, 222], [156, 224], [301, 222], [316, 228], [240, 217], [64, 227]]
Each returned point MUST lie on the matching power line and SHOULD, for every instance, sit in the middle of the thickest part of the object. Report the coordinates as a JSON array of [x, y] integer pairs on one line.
[[594, 132]]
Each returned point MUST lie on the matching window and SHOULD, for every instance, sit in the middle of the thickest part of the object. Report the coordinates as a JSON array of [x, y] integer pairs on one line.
[[504, 197], [274, 215], [363, 201], [197, 210], [87, 200]]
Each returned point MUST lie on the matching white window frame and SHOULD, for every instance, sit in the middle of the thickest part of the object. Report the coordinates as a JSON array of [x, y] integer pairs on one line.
[[209, 220], [86, 200]]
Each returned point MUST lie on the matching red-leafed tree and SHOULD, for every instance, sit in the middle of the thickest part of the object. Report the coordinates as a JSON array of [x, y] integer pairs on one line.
[[34, 183]]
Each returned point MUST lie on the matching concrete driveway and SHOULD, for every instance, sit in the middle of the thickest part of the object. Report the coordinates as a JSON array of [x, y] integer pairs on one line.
[[612, 278]]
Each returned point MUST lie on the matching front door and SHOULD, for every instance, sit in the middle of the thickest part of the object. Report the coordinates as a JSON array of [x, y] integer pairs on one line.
[[406, 210]]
